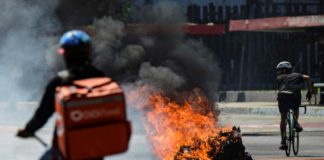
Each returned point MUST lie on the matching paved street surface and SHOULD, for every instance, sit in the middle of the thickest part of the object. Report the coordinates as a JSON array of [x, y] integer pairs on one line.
[[260, 135], [266, 147], [259, 123]]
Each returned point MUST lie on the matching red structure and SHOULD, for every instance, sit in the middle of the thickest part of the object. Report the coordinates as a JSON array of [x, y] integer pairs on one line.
[[189, 28], [277, 24]]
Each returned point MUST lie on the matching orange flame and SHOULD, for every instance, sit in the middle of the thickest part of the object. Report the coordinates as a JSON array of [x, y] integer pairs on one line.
[[171, 125]]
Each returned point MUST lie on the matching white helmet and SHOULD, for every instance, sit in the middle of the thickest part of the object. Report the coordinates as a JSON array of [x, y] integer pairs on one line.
[[284, 67]]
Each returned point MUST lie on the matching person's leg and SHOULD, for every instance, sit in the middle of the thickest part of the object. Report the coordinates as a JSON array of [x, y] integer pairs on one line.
[[297, 125], [297, 102], [283, 104], [283, 123]]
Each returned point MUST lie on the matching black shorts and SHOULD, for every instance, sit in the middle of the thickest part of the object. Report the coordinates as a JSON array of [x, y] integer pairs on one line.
[[288, 101]]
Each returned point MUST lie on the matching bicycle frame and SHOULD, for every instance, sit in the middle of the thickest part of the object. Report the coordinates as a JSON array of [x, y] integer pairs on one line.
[[292, 137]]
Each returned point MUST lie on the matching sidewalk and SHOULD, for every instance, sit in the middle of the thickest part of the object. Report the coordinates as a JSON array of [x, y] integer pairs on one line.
[[262, 118]]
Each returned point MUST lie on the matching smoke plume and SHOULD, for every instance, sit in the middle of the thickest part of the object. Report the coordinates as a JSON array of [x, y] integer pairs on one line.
[[110, 53], [162, 12], [23, 46], [157, 53], [157, 57]]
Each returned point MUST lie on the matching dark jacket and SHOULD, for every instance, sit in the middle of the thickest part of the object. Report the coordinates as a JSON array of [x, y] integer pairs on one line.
[[47, 104]]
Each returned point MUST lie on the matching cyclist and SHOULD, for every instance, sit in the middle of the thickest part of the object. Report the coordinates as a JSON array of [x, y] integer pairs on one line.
[[75, 47], [289, 96]]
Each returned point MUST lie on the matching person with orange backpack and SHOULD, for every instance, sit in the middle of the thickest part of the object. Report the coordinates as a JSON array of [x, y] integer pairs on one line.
[[91, 115]]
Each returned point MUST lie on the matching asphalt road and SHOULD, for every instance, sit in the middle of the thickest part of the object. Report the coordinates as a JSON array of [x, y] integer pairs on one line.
[[260, 147], [266, 147], [260, 136]]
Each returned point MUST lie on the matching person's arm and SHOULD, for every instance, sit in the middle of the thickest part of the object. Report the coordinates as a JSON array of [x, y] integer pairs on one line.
[[43, 112], [309, 87]]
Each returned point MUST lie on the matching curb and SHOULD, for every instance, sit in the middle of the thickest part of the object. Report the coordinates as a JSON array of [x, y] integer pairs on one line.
[[264, 108]]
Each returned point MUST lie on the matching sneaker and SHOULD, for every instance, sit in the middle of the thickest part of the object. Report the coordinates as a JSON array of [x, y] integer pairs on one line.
[[298, 128], [283, 145]]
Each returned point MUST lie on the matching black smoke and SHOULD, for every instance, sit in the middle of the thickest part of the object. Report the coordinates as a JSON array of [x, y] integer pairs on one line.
[[165, 59]]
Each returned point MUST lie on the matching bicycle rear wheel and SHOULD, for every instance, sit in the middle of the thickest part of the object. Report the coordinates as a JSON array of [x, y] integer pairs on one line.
[[289, 137]]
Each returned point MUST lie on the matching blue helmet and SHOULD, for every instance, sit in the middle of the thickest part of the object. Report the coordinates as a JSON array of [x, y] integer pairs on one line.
[[76, 47], [74, 38]]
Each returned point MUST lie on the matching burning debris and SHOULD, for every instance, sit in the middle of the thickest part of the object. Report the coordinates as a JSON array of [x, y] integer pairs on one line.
[[225, 145], [184, 126], [172, 121]]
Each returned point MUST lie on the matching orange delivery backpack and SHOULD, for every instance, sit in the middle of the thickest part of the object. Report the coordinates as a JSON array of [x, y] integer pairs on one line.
[[91, 119]]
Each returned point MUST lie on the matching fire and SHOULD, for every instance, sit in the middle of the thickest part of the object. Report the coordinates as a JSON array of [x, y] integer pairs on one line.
[[172, 124]]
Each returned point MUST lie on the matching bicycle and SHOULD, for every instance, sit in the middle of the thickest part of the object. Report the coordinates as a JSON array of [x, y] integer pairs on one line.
[[292, 137]]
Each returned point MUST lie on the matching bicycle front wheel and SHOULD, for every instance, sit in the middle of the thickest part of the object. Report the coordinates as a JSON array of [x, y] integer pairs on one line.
[[296, 143], [289, 135]]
